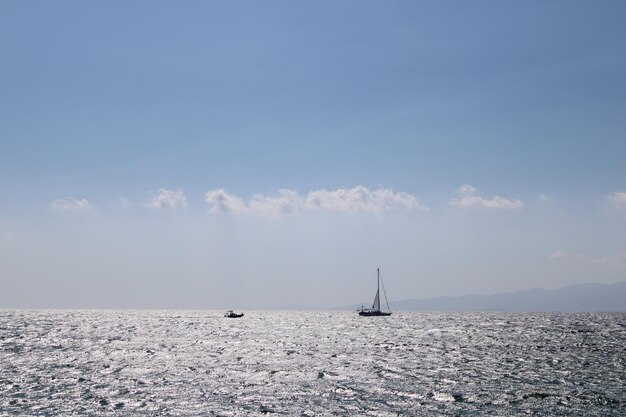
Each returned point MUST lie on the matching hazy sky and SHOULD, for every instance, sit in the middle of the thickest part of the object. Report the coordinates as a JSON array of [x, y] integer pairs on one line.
[[258, 154]]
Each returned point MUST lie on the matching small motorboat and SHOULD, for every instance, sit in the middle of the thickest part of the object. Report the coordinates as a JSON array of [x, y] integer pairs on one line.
[[231, 314]]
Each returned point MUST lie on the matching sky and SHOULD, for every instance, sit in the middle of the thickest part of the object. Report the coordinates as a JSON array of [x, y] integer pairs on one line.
[[274, 154]]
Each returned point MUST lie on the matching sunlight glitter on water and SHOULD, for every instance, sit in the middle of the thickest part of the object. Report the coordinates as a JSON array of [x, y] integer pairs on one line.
[[311, 363]]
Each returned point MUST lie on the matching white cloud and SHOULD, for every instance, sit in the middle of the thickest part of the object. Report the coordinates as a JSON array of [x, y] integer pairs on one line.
[[71, 204], [467, 196], [559, 255], [361, 199], [618, 199], [221, 202], [545, 199], [357, 199], [618, 259], [286, 202], [168, 199]]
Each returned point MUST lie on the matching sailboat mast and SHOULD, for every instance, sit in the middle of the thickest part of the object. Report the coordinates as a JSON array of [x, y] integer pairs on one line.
[[378, 289]]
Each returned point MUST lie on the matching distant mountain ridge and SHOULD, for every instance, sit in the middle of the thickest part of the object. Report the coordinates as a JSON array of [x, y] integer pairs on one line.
[[583, 297]]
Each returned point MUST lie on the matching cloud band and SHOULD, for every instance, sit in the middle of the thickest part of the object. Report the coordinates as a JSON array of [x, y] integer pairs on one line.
[[347, 200]]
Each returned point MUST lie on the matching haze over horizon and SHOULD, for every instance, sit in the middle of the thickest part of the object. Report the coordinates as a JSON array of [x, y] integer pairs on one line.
[[214, 155]]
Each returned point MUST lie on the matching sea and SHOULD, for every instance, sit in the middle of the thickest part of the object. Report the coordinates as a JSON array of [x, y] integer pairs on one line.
[[311, 363]]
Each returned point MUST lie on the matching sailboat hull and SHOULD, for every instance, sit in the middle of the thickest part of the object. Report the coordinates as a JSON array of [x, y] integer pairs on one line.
[[374, 313]]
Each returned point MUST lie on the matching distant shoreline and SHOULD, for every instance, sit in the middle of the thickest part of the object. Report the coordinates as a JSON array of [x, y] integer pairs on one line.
[[574, 298]]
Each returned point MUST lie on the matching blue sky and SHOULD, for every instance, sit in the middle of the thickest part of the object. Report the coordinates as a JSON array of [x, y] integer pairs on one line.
[[503, 125]]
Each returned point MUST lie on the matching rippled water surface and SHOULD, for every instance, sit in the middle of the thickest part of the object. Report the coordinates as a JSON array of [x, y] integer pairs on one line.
[[196, 363]]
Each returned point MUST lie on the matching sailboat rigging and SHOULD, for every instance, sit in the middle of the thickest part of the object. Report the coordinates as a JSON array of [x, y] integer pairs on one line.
[[375, 310]]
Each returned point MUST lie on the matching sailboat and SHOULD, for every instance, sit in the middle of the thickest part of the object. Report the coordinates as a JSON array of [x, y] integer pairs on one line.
[[375, 310]]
